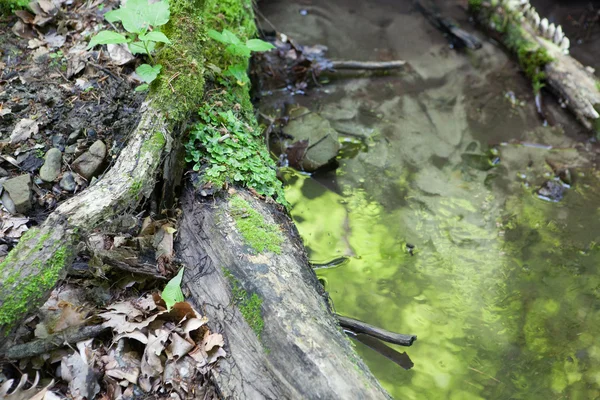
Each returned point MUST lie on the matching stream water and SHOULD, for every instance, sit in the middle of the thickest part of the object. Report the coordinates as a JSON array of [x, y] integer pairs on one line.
[[502, 287]]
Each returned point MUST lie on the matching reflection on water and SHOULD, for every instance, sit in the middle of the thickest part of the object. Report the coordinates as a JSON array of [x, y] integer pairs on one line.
[[503, 289]]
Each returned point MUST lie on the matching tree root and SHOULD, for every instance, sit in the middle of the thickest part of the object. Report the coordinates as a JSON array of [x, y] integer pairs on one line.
[[370, 330]]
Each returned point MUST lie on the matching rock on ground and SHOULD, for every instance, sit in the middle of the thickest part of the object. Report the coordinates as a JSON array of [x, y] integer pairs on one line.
[[19, 189], [90, 163], [68, 182], [52, 166]]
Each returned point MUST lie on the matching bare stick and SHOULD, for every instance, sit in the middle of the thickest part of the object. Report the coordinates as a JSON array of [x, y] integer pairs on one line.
[[368, 65], [357, 326], [41, 346]]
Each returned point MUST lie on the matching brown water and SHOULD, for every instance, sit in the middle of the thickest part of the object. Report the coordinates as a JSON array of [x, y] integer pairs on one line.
[[503, 290]]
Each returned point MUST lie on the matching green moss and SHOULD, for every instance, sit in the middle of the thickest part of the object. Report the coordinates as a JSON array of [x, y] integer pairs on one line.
[[475, 5], [8, 6], [249, 305], [257, 233], [598, 85], [32, 290], [156, 142]]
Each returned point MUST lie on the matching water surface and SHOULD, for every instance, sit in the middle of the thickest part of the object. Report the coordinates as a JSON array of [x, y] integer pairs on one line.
[[503, 289]]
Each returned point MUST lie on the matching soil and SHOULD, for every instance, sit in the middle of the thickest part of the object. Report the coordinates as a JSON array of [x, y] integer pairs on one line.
[[75, 97]]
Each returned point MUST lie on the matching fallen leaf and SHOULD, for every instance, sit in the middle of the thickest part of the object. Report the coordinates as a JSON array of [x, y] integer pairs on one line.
[[35, 43], [152, 365], [178, 347], [212, 340], [215, 355], [125, 366], [23, 130], [120, 324], [68, 318], [22, 30], [5, 111], [25, 16], [83, 381], [55, 40], [18, 393], [136, 335], [120, 54]]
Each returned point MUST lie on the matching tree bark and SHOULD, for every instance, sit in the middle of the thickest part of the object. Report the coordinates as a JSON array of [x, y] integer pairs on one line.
[[301, 351], [41, 258]]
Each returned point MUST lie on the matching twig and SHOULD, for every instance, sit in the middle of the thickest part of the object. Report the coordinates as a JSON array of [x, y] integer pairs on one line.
[[368, 65], [52, 342], [362, 327]]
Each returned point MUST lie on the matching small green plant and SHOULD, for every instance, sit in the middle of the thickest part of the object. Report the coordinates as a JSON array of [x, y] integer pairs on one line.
[[140, 19], [236, 47], [56, 59], [172, 292]]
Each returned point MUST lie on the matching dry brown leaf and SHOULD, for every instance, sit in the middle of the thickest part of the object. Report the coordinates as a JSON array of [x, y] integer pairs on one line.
[[146, 303], [212, 340], [120, 324], [126, 366], [152, 365], [120, 54], [126, 307], [25, 16], [135, 335], [213, 356], [82, 379], [23, 30], [178, 347], [23, 130], [68, 318]]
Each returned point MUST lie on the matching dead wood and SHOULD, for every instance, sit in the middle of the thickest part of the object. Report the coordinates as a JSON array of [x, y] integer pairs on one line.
[[301, 352], [366, 65], [357, 326], [41, 346], [41, 258]]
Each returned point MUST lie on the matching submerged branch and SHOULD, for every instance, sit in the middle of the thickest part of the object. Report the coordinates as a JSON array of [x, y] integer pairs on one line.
[[364, 328], [368, 65]]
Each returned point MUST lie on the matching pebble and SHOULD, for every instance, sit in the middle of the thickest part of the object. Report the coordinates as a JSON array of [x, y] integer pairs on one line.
[[74, 136], [68, 182], [52, 166], [58, 141], [3, 172], [90, 163]]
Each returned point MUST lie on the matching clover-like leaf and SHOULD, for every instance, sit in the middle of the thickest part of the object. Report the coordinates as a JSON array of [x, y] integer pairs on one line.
[[155, 36], [259, 45], [107, 37], [148, 73], [157, 14], [172, 292]]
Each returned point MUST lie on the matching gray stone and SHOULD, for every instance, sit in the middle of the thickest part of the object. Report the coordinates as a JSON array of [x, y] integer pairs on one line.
[[3, 172], [58, 141], [322, 139], [90, 163], [19, 189], [52, 166], [74, 136], [8, 203], [68, 182], [72, 149]]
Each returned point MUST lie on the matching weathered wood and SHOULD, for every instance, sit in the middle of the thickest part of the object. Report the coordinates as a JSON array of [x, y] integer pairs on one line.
[[41, 258], [357, 326], [575, 85], [41, 346], [301, 351]]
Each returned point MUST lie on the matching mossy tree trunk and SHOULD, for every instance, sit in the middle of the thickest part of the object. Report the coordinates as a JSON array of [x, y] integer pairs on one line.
[[247, 269]]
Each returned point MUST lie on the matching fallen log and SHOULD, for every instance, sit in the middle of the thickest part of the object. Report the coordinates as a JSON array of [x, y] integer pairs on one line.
[[283, 341], [543, 53]]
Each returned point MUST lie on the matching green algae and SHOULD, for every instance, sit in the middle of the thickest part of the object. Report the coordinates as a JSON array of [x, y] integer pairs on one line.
[[257, 233]]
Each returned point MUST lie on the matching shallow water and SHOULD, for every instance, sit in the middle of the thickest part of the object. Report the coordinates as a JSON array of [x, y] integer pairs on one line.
[[503, 289]]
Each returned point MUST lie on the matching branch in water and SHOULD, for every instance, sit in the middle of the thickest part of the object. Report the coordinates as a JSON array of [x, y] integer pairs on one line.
[[368, 65], [361, 327]]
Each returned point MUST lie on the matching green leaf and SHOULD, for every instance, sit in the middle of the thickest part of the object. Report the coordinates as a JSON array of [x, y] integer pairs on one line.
[[138, 47], [239, 73], [230, 37], [238, 50], [115, 15], [259, 45], [172, 292], [142, 87], [216, 36], [148, 73], [107, 37], [157, 14], [155, 37]]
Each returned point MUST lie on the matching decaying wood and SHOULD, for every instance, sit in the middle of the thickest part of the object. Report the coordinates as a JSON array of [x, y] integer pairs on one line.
[[51, 249], [357, 326], [41, 346], [301, 352], [366, 65], [574, 84]]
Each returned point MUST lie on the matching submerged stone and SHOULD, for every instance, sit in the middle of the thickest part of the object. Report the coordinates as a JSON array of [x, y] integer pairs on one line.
[[322, 143]]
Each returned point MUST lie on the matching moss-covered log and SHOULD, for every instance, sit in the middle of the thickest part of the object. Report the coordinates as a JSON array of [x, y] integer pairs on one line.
[[41, 258], [542, 51], [248, 270]]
